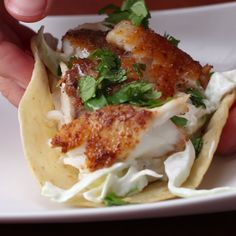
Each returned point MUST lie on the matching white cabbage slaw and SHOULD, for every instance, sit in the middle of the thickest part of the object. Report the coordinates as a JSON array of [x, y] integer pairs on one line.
[[126, 178]]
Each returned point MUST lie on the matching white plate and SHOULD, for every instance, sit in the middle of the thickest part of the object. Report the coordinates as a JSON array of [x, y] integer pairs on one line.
[[209, 35]]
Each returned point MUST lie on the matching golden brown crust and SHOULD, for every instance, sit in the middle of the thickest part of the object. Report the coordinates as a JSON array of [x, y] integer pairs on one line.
[[90, 40], [85, 38], [168, 67], [108, 133]]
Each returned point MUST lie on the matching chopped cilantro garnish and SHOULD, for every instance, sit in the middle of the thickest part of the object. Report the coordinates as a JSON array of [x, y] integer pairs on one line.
[[109, 66], [108, 61], [172, 39], [211, 73], [197, 143], [109, 7], [87, 88], [179, 121], [140, 93], [139, 68], [112, 200], [96, 103], [196, 97], [134, 10], [97, 92]]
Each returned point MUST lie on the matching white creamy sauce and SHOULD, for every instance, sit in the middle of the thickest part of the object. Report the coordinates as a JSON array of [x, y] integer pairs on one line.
[[195, 117], [220, 84]]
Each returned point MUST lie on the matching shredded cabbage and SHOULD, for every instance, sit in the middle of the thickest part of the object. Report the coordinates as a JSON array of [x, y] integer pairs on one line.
[[178, 167], [120, 179]]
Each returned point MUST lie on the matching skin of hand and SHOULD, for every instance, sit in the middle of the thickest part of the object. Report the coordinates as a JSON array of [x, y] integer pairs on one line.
[[16, 61], [227, 143]]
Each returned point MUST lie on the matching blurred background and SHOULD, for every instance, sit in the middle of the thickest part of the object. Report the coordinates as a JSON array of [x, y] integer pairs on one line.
[[92, 6]]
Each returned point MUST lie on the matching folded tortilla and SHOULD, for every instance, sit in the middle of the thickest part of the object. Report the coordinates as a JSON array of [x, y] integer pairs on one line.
[[36, 130]]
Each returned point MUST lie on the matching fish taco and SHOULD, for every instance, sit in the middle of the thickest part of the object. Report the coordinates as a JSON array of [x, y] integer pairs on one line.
[[121, 114]]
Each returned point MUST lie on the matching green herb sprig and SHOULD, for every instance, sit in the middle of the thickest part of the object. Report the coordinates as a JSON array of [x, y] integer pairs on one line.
[[196, 97], [113, 200], [172, 39], [139, 68], [134, 10], [198, 144], [140, 93], [179, 121], [96, 92]]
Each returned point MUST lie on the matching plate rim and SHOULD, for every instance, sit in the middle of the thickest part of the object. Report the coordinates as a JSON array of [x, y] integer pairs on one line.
[[90, 214]]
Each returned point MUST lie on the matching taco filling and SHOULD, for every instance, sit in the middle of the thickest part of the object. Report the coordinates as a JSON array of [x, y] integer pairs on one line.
[[131, 109]]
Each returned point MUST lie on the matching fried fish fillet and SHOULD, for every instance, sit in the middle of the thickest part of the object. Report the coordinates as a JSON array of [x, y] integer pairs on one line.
[[115, 133], [167, 66]]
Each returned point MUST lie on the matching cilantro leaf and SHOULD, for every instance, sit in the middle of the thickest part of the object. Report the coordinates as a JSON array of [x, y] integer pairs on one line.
[[138, 12], [140, 93], [126, 5], [112, 200], [139, 68], [109, 67], [87, 88], [97, 92], [116, 17], [172, 39], [198, 144], [211, 73], [134, 10], [196, 97], [59, 72], [96, 103], [108, 61], [179, 121], [109, 7]]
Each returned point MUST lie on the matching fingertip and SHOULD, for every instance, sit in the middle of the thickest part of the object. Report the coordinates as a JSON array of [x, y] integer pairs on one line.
[[227, 143], [28, 10]]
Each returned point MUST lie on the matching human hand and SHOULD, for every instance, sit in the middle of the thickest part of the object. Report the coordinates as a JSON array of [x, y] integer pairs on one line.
[[227, 143], [16, 61]]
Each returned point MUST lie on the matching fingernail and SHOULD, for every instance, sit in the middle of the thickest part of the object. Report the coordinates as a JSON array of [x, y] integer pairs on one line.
[[27, 7]]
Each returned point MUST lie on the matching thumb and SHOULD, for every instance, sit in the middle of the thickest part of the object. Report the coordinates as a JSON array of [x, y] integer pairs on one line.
[[28, 10]]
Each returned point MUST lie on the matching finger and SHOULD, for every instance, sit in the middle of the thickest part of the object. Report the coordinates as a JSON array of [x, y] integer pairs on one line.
[[11, 29], [25, 34], [227, 143], [28, 10], [7, 34], [15, 64], [11, 90]]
